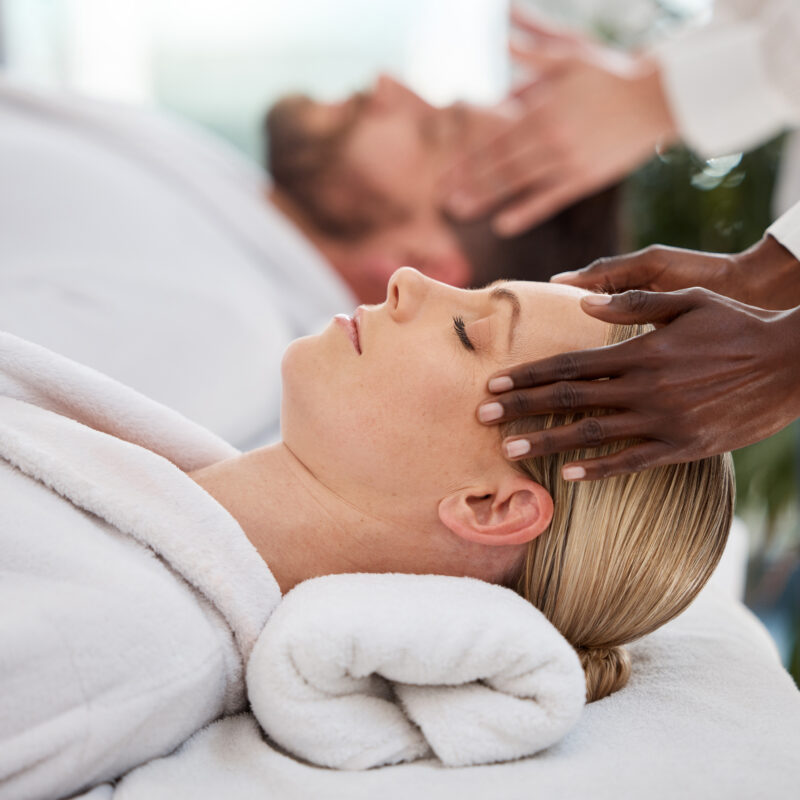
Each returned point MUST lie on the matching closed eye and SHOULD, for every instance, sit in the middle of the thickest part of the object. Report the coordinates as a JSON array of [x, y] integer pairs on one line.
[[461, 332]]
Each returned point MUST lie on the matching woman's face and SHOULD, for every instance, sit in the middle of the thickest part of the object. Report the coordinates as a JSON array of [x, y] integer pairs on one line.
[[383, 411]]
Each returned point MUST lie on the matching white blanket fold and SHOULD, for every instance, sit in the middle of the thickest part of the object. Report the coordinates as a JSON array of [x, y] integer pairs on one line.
[[358, 671]]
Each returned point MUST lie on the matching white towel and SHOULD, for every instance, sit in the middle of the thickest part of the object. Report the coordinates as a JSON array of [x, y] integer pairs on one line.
[[357, 671]]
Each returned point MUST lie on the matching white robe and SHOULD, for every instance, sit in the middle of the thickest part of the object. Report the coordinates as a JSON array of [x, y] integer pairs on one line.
[[129, 598], [735, 82]]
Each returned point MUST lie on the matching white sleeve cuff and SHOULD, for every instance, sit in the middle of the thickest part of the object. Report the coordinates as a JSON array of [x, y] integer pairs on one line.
[[719, 90], [786, 230]]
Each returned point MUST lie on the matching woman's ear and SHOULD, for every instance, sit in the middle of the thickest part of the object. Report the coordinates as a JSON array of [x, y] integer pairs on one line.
[[514, 511]]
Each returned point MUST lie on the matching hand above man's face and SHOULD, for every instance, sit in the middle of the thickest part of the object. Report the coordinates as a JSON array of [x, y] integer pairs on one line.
[[405, 144], [590, 116]]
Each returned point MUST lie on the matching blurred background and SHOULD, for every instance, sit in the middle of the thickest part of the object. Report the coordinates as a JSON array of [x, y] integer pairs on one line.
[[221, 63]]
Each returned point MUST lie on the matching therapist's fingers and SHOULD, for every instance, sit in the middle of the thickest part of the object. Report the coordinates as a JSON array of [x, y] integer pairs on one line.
[[562, 397], [535, 207], [635, 306], [579, 365], [718, 375], [503, 178], [523, 153], [636, 458], [586, 433], [659, 268], [638, 306], [638, 270]]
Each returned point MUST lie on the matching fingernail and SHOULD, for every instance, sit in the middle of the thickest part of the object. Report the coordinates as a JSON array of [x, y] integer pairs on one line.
[[517, 448], [597, 299], [489, 412], [563, 276], [573, 473], [502, 384]]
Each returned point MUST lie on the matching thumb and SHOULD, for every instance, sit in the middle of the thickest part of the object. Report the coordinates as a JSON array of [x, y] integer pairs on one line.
[[637, 306]]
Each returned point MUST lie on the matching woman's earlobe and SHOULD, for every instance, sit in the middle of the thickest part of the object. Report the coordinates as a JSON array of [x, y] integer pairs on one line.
[[515, 512]]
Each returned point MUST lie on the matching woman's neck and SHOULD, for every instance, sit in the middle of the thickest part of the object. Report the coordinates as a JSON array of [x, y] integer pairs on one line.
[[300, 528]]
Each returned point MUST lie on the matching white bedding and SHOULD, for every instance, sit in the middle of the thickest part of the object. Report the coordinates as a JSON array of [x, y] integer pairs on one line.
[[709, 710], [146, 249], [709, 713]]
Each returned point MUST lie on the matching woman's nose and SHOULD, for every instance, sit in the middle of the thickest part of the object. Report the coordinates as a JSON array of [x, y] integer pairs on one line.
[[406, 293]]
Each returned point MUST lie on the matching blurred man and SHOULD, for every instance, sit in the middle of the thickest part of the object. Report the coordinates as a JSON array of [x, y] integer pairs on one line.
[[361, 179]]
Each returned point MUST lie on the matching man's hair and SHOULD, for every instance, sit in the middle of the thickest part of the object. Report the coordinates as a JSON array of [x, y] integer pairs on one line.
[[623, 555], [584, 231]]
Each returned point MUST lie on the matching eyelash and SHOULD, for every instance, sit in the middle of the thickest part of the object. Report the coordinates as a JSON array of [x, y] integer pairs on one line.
[[460, 329]]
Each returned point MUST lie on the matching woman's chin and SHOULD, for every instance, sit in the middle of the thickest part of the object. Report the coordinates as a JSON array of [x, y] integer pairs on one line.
[[292, 359]]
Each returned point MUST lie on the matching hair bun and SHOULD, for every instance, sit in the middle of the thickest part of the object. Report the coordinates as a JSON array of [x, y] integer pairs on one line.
[[607, 669]]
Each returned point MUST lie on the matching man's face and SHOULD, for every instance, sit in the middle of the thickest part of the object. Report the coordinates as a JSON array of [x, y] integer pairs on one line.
[[404, 144], [380, 155]]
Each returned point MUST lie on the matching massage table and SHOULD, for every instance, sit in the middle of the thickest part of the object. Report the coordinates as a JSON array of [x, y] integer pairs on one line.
[[709, 712]]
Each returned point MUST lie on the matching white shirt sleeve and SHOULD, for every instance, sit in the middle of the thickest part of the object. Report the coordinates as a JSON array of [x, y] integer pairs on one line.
[[735, 82], [786, 230]]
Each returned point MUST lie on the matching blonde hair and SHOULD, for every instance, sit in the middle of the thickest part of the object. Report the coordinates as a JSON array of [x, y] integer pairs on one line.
[[623, 555]]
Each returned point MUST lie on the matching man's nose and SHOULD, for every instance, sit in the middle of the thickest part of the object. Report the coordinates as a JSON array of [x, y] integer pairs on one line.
[[390, 93]]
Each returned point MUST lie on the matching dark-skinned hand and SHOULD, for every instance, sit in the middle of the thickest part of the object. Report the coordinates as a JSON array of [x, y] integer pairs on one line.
[[715, 376], [767, 275]]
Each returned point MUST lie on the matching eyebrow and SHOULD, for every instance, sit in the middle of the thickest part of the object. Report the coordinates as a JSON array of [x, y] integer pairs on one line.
[[501, 293]]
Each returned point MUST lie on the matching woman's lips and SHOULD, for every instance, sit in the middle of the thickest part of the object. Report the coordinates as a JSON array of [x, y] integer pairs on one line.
[[350, 326], [358, 323]]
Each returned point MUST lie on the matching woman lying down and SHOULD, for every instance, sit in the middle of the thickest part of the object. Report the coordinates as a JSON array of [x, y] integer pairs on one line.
[[141, 555]]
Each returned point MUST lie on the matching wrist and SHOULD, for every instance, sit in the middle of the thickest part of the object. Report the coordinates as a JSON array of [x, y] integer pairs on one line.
[[790, 325], [771, 274]]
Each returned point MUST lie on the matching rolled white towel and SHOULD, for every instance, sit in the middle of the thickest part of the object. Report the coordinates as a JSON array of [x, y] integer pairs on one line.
[[361, 670]]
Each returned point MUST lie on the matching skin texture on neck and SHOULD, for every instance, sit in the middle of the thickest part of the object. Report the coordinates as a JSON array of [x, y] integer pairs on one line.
[[302, 529], [297, 526]]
